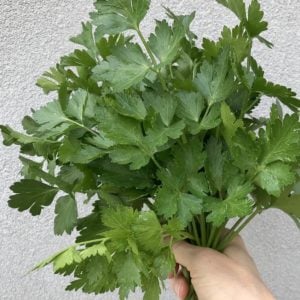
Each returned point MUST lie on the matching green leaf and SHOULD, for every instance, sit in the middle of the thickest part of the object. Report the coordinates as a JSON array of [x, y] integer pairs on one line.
[[128, 273], [230, 123], [151, 288], [79, 177], [123, 177], [212, 119], [274, 177], [236, 38], [98, 249], [115, 16], [165, 43], [281, 141], [148, 232], [190, 156], [190, 106], [128, 104], [66, 258], [106, 45], [66, 215], [237, 203], [169, 202], [282, 93], [289, 202], [126, 67], [119, 221], [77, 104], [11, 137], [50, 116], [121, 130], [164, 104], [255, 26], [52, 79], [79, 58], [159, 135], [132, 155], [198, 185], [245, 150], [224, 210], [215, 80], [215, 162], [72, 150], [188, 206], [236, 6], [31, 195], [86, 38]]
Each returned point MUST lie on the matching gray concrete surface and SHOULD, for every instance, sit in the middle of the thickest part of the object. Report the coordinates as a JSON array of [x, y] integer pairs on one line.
[[33, 35]]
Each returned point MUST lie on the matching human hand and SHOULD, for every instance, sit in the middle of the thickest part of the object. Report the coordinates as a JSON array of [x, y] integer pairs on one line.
[[231, 275]]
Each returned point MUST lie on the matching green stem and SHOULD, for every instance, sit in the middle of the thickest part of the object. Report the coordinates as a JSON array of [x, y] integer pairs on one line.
[[211, 236], [146, 46], [249, 56], [150, 53], [149, 204], [203, 229], [84, 127], [156, 163], [236, 224], [233, 234], [218, 236], [184, 139], [195, 232]]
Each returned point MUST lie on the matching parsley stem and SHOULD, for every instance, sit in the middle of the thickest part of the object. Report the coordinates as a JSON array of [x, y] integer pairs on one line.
[[195, 231], [211, 236], [141, 36], [233, 234], [218, 236], [156, 162], [150, 53], [84, 127], [201, 219], [149, 204]]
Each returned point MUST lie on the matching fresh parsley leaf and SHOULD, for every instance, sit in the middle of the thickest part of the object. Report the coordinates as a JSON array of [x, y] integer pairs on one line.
[[115, 16], [31, 195], [274, 177], [215, 162], [236, 6], [129, 105], [165, 105], [281, 141], [120, 129], [66, 215], [165, 43], [215, 80], [132, 155], [190, 106], [289, 202], [125, 68], [86, 39], [282, 93], [255, 26]]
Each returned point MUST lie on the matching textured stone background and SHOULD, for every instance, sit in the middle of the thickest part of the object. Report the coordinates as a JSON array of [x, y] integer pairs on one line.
[[33, 35]]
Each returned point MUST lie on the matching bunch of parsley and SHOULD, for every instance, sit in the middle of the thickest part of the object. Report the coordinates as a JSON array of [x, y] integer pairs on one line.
[[159, 137]]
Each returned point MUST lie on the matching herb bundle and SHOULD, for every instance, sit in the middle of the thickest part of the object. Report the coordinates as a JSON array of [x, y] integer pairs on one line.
[[160, 137]]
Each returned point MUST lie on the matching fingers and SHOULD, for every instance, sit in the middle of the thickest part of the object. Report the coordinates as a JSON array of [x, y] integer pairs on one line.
[[180, 286], [185, 253], [238, 252]]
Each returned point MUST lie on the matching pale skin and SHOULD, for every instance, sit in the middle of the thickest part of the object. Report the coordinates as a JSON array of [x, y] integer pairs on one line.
[[231, 275]]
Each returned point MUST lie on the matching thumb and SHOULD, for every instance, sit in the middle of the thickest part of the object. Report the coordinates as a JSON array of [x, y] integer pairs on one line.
[[185, 253]]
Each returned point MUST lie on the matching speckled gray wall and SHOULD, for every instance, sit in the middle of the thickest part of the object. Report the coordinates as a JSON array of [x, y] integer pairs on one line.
[[33, 35]]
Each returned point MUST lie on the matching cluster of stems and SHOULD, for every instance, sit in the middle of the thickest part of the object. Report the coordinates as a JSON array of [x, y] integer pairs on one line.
[[206, 235]]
